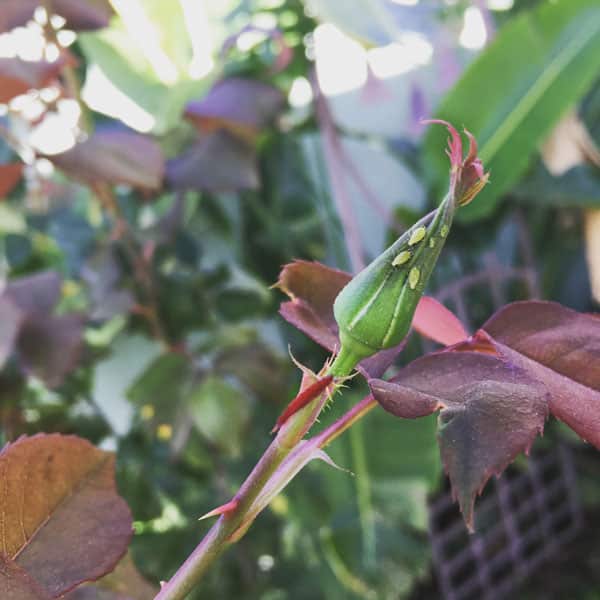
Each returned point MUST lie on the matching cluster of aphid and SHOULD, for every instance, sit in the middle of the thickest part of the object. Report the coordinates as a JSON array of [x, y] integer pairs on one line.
[[403, 257]]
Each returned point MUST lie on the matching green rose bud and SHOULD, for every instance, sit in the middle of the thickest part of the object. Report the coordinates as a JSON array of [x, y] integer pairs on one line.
[[375, 310]]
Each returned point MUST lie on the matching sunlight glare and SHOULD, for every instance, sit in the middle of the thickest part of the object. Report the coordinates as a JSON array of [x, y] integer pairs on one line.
[[341, 61], [101, 95], [412, 51], [144, 32], [300, 93], [473, 35]]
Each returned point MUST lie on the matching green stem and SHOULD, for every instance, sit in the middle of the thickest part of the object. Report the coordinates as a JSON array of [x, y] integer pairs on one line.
[[344, 363], [220, 535], [342, 573]]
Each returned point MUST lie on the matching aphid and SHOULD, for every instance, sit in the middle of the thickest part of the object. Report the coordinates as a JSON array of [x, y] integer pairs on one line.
[[413, 277], [444, 231], [417, 235], [302, 399], [431, 242], [402, 258]]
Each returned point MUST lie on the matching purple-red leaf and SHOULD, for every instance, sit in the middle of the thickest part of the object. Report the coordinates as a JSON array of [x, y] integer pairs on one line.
[[115, 157], [434, 321], [17, 76], [84, 15], [313, 287], [10, 322], [36, 293], [63, 522], [242, 106], [561, 347], [48, 346], [124, 583], [16, 584], [80, 15], [216, 162], [491, 411]]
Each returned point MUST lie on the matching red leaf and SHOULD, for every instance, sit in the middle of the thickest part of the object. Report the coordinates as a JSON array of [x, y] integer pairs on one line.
[[433, 320], [115, 157], [19, 76], [37, 293], [124, 583], [313, 288], [561, 347], [243, 106], [16, 584], [84, 15], [491, 410], [80, 15], [216, 162], [48, 346], [15, 13], [63, 521], [10, 175]]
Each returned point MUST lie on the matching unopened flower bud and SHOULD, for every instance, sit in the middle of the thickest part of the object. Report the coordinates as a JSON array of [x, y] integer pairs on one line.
[[375, 309]]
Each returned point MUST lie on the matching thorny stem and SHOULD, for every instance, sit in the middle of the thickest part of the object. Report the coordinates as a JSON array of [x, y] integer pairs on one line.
[[219, 537], [225, 531]]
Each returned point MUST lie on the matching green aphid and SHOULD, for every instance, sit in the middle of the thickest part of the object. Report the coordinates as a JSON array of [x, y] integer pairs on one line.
[[402, 258], [417, 235], [413, 277]]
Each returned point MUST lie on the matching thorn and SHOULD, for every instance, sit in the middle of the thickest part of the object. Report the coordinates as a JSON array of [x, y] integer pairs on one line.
[[220, 510]]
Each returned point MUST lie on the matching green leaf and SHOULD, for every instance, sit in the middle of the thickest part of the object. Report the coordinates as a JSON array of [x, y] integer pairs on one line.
[[162, 385], [579, 186], [220, 412], [154, 75], [130, 356], [540, 64]]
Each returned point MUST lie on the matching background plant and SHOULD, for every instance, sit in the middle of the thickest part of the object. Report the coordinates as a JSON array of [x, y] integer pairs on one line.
[[150, 254]]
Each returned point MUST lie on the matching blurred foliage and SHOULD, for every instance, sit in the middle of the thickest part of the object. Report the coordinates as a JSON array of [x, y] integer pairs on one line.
[[163, 341]]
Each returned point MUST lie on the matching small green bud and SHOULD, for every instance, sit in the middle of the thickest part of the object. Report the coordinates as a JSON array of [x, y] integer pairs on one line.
[[375, 309]]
